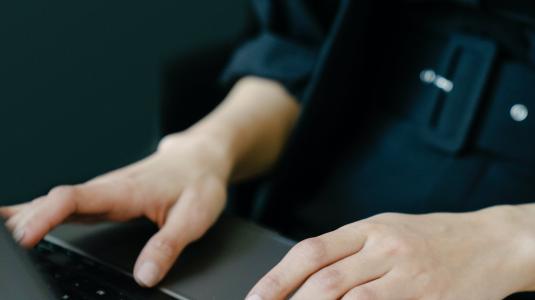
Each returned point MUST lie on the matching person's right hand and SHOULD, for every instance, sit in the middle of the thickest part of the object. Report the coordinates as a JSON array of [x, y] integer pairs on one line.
[[181, 188]]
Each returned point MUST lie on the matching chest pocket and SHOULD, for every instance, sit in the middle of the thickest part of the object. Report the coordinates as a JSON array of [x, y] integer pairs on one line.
[[463, 93]]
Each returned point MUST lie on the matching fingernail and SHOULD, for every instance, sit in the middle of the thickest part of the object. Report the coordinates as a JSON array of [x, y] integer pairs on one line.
[[254, 297], [148, 274], [18, 234]]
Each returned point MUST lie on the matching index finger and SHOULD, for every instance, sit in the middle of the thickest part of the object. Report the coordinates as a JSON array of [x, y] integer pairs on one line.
[[64, 201], [304, 259], [9, 211]]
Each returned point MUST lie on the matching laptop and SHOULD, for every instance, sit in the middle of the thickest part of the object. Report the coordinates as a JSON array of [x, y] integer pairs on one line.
[[97, 68], [96, 262]]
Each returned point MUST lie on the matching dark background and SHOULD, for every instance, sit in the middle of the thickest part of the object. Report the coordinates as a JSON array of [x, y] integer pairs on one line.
[[83, 84]]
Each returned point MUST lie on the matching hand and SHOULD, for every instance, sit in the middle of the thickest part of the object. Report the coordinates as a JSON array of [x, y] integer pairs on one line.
[[477, 256], [182, 188]]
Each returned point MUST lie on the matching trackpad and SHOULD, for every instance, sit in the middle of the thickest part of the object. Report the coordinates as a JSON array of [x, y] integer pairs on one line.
[[224, 264]]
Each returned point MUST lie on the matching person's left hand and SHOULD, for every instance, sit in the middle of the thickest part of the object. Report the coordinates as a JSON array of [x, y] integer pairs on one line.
[[476, 256]]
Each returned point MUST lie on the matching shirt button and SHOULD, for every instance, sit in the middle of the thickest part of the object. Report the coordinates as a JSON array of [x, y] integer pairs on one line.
[[519, 112], [428, 76]]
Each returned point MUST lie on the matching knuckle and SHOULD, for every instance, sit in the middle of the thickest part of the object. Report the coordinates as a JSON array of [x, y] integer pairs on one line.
[[313, 250], [36, 201], [328, 279], [166, 142], [398, 242], [271, 282], [396, 246], [63, 192], [371, 227], [65, 196]]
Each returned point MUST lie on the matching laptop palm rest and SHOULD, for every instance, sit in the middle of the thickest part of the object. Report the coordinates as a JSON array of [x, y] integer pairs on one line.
[[224, 264]]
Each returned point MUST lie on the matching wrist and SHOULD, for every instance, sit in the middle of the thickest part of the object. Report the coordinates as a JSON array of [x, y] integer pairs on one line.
[[206, 146], [513, 230]]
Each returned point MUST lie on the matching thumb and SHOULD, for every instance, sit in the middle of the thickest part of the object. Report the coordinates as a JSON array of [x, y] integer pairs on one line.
[[187, 221]]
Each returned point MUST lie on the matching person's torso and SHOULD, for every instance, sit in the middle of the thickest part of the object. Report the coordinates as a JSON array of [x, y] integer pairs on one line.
[[417, 114]]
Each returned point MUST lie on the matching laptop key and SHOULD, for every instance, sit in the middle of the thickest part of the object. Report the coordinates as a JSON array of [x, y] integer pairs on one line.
[[70, 294], [75, 277]]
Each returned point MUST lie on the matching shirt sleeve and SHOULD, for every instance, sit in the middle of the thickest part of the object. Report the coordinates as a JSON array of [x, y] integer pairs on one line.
[[286, 46]]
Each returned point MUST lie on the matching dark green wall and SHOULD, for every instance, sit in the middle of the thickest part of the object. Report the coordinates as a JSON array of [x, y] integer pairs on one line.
[[81, 81]]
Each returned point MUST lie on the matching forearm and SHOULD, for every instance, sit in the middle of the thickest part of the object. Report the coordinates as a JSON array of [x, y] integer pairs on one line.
[[524, 217], [514, 226], [251, 125]]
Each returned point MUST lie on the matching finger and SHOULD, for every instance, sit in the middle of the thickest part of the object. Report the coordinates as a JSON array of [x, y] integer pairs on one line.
[[65, 201], [11, 225], [306, 258], [9, 211], [16, 218], [160, 253], [22, 212], [388, 287], [187, 221], [333, 281], [12, 222]]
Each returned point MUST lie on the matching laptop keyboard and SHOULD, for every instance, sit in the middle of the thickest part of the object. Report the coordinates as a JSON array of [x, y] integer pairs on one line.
[[75, 277]]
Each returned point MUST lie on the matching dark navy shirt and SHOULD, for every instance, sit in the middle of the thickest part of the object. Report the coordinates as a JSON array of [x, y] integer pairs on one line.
[[407, 108], [413, 108]]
